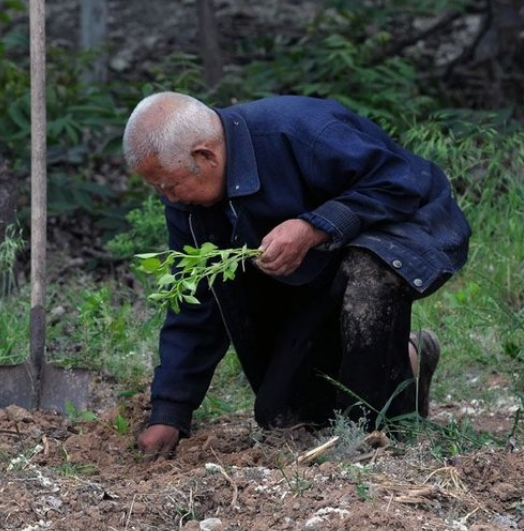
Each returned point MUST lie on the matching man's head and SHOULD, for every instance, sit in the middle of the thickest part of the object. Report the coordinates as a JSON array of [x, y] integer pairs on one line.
[[176, 143]]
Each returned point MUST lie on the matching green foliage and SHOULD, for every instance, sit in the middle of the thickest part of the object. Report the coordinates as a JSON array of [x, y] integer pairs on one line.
[[14, 313], [7, 7], [178, 274], [146, 230], [479, 315], [101, 327], [456, 437], [337, 59], [474, 149], [83, 123], [11, 245], [14, 330], [68, 193], [76, 115]]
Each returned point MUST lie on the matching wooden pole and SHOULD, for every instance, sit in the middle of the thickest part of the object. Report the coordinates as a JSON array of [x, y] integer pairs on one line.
[[38, 194]]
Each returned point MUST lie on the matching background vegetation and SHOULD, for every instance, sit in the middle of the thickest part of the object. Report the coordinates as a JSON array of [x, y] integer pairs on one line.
[[383, 59]]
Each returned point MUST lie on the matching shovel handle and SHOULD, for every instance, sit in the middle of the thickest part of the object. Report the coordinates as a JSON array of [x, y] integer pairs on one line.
[[38, 190]]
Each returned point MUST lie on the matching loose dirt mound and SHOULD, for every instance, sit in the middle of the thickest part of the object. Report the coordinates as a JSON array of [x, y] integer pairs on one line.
[[230, 475]]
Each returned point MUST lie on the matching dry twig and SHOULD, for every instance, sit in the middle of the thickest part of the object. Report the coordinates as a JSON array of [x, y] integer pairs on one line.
[[221, 469]]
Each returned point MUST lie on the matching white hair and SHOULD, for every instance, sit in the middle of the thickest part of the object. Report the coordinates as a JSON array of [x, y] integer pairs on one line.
[[167, 125]]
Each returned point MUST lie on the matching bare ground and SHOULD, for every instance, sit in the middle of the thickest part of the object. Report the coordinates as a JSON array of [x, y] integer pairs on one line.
[[66, 475]]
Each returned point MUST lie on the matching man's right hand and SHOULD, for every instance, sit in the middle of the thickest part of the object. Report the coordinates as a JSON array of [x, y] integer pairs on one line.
[[159, 440]]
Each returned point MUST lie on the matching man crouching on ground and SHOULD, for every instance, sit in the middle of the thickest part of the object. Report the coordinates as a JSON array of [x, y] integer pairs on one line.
[[353, 229]]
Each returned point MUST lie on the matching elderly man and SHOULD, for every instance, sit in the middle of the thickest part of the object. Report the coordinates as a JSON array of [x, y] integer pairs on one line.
[[353, 229]]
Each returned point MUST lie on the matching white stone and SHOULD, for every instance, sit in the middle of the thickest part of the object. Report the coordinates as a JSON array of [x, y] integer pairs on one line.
[[210, 523]]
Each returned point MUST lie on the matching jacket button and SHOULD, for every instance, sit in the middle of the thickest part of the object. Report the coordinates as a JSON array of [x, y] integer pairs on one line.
[[418, 282], [397, 264]]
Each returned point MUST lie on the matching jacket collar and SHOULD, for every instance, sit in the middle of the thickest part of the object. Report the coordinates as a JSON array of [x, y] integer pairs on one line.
[[241, 165]]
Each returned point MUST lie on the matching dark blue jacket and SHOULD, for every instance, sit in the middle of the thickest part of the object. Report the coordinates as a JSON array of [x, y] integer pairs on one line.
[[296, 157]]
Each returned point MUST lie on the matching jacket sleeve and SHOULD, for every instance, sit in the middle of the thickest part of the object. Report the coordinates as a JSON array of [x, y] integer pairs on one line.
[[363, 181], [192, 343]]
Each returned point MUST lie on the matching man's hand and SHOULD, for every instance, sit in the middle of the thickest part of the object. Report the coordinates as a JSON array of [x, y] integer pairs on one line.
[[158, 440], [285, 247]]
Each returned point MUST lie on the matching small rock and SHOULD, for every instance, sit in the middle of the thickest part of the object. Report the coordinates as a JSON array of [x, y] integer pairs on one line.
[[507, 521], [18, 414], [210, 524], [58, 311], [314, 523], [120, 63]]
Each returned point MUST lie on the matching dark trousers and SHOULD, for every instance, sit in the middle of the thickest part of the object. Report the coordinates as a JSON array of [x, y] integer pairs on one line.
[[354, 330]]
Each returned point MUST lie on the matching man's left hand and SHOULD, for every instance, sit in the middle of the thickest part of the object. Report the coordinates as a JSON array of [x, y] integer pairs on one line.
[[285, 247]]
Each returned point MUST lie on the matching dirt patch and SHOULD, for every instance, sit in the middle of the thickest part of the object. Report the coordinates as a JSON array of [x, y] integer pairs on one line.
[[87, 475]]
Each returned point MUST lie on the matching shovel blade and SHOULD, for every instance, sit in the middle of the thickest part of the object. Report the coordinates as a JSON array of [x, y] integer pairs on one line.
[[16, 386], [60, 387]]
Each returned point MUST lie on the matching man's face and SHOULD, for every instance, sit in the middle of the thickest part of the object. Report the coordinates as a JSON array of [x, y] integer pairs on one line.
[[201, 184]]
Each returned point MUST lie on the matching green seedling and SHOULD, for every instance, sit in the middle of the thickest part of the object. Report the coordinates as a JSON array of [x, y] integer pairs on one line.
[[178, 274], [295, 478], [363, 491], [71, 470], [77, 415], [121, 425]]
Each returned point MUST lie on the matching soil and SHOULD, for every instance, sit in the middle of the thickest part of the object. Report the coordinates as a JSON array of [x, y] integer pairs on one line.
[[87, 475], [63, 474]]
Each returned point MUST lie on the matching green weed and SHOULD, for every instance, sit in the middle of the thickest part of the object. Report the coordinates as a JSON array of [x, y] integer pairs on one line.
[[363, 491], [100, 328], [14, 328], [77, 415], [350, 438], [13, 242], [295, 478], [121, 425], [74, 470]]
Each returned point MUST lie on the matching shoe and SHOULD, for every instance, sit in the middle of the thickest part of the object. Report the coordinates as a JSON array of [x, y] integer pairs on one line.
[[428, 349]]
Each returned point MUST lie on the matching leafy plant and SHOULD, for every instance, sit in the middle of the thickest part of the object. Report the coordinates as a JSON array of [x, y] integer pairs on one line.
[[77, 415], [146, 229], [178, 273]]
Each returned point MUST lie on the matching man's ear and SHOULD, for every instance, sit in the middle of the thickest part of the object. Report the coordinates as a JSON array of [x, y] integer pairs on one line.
[[205, 155]]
